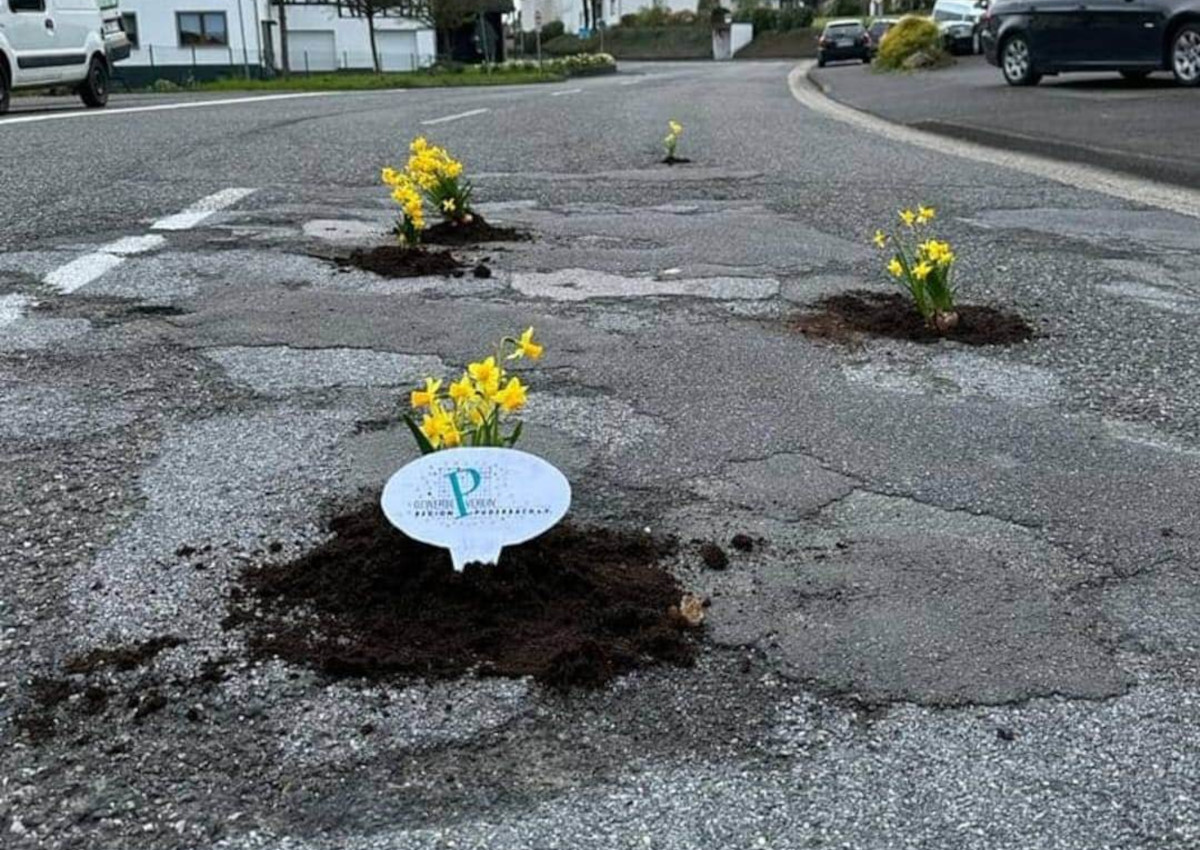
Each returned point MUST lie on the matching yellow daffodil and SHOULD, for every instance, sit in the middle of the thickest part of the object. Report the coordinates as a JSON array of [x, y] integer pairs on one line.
[[880, 239], [512, 397], [908, 217], [896, 267], [448, 205], [427, 396], [925, 214], [921, 270], [486, 375], [675, 127], [463, 391], [526, 347]]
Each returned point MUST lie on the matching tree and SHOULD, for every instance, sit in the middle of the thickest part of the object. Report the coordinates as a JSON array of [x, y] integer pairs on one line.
[[445, 16], [371, 9]]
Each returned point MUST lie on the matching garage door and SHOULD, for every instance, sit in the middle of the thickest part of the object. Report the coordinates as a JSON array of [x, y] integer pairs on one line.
[[312, 50], [397, 50]]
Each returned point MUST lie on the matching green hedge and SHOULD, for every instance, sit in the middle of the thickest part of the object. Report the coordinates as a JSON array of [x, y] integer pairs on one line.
[[666, 42]]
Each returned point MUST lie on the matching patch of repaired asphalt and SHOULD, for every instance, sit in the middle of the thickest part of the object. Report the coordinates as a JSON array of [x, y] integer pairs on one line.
[[582, 285], [956, 373], [275, 370], [784, 487], [22, 331], [55, 413], [232, 482], [343, 231], [887, 599]]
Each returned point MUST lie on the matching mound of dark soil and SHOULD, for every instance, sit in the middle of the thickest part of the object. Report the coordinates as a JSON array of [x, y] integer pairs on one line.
[[675, 160], [844, 317], [397, 261], [449, 233], [572, 607]]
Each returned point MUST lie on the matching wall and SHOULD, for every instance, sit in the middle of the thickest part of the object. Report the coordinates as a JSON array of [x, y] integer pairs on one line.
[[740, 36]]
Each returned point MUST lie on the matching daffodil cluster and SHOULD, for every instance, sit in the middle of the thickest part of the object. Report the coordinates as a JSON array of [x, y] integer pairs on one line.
[[922, 265], [475, 408], [439, 176], [407, 194], [671, 142]]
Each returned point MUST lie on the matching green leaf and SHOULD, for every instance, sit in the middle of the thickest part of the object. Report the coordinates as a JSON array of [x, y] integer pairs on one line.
[[515, 435], [423, 443]]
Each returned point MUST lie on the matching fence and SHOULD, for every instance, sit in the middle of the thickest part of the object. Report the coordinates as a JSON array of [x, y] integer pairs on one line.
[[182, 65]]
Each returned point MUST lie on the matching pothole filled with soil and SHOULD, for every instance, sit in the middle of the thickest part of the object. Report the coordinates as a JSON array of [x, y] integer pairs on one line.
[[451, 233], [574, 607], [397, 261], [843, 318], [675, 160]]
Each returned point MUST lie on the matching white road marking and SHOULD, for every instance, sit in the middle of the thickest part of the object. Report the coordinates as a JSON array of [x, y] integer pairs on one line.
[[12, 307], [201, 210], [1086, 177], [166, 107], [634, 81], [131, 245], [82, 270], [565, 91], [455, 117]]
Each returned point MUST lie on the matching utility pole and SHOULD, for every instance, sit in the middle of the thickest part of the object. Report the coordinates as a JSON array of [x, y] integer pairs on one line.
[[245, 48]]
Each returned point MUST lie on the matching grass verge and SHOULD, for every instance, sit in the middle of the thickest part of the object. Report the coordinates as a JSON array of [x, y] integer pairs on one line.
[[368, 81]]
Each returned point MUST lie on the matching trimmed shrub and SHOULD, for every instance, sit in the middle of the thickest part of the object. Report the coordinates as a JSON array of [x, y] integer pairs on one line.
[[795, 19], [683, 18], [764, 19], [911, 35], [630, 20], [848, 9], [553, 30]]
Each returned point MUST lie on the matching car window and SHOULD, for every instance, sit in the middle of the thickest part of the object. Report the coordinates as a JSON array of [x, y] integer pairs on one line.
[[843, 29], [950, 12]]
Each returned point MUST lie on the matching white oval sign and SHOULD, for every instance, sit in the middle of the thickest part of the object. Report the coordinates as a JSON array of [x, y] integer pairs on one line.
[[476, 501]]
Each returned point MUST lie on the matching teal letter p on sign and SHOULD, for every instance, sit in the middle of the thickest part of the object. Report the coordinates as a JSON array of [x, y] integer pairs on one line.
[[460, 496]]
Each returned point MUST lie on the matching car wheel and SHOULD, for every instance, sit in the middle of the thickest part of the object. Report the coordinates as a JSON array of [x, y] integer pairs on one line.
[[1185, 55], [94, 90], [5, 90], [1017, 62]]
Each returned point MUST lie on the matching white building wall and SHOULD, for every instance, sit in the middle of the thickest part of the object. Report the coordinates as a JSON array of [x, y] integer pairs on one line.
[[570, 12], [330, 41]]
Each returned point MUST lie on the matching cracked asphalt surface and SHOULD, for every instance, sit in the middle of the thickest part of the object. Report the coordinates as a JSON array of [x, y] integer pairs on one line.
[[970, 616]]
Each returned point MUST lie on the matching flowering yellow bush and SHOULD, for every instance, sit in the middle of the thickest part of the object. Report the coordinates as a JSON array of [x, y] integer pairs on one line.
[[432, 174], [476, 406], [440, 177], [923, 266], [671, 142], [406, 193]]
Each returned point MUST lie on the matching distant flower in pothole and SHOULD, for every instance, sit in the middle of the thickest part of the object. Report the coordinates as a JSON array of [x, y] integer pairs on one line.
[[924, 267], [477, 406], [671, 142], [405, 192]]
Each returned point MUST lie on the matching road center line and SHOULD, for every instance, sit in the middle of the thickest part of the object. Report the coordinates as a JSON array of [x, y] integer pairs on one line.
[[455, 117], [201, 210], [1086, 177], [12, 307], [82, 270], [565, 91], [165, 107]]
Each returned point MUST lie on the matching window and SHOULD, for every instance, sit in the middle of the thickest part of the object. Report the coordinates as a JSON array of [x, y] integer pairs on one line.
[[27, 5], [129, 24], [202, 29]]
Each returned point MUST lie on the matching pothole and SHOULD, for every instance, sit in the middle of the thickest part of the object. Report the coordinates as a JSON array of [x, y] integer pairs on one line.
[[573, 607], [849, 316]]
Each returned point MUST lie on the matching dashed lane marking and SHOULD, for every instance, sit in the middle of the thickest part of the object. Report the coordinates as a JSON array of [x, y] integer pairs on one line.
[[165, 107], [454, 117], [565, 91], [83, 270], [12, 307], [201, 210]]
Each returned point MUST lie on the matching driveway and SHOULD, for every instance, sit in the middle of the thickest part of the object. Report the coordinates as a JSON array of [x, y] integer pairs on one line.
[[1148, 128]]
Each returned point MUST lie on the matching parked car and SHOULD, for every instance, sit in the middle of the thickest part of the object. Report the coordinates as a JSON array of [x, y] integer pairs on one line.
[[959, 23], [843, 40], [877, 30], [47, 43], [1028, 40]]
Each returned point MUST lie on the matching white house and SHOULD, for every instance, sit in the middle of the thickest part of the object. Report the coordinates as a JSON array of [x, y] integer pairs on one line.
[[570, 12], [206, 39]]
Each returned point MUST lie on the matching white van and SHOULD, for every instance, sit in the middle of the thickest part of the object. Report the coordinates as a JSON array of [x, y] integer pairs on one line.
[[53, 43]]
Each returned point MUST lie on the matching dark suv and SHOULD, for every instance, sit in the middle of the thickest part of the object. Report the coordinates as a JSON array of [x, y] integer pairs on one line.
[[1029, 38]]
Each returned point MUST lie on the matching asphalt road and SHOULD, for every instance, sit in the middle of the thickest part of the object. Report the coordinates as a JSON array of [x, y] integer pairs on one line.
[[1147, 128], [971, 622]]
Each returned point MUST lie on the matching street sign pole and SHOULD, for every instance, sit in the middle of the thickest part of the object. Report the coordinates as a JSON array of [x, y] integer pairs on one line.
[[537, 23]]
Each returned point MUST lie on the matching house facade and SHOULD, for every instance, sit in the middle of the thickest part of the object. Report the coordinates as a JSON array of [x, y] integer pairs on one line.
[[208, 39]]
